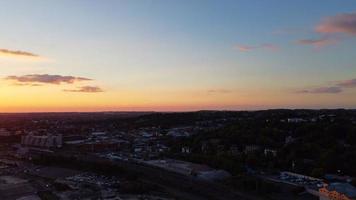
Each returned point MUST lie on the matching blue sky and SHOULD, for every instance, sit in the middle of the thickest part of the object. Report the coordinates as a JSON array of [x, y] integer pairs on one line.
[[229, 52]]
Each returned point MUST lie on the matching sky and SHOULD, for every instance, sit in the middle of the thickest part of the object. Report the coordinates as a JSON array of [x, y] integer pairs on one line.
[[176, 55]]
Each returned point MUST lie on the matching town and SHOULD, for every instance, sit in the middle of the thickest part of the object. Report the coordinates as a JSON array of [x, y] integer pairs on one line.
[[275, 154]]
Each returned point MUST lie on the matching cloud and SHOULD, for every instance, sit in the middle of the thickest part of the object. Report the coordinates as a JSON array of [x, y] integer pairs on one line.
[[329, 27], [246, 48], [87, 89], [270, 47], [221, 91], [318, 43], [337, 87], [347, 83], [342, 23], [46, 78], [26, 84], [8, 52], [322, 90]]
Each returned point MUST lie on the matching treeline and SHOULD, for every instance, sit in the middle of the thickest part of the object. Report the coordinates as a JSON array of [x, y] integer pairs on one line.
[[321, 142]]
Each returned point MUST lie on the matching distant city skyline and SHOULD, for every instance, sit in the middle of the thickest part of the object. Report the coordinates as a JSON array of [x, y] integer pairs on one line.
[[157, 55]]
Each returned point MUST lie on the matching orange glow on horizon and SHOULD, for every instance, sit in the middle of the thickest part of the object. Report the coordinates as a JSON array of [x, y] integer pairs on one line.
[[53, 98]]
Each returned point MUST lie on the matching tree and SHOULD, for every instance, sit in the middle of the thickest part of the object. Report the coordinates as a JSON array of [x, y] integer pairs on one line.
[[317, 172]]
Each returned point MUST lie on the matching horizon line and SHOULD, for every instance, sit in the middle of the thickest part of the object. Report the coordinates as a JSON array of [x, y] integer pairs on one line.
[[183, 111]]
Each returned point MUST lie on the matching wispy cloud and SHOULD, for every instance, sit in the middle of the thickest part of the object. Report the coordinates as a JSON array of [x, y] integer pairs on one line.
[[46, 79], [246, 48], [337, 87], [8, 52], [318, 43], [347, 83], [342, 23], [26, 84], [321, 90], [329, 29], [87, 89], [221, 91]]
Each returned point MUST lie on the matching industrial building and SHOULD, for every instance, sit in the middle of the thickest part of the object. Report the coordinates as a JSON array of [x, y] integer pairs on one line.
[[43, 141]]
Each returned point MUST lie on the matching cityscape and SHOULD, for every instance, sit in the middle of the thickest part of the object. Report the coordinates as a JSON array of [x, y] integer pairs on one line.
[[177, 100], [273, 154]]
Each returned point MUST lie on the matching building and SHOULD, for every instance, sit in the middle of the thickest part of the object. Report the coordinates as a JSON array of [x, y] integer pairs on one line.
[[251, 148], [289, 140], [234, 150], [4, 132], [271, 152], [177, 133], [299, 176], [44, 141], [186, 150], [295, 120], [338, 191], [98, 133], [9, 136], [190, 169]]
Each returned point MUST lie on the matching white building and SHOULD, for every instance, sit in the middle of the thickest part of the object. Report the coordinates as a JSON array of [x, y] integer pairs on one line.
[[47, 141]]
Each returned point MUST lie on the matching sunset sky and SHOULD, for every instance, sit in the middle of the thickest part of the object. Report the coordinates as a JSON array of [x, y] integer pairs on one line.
[[166, 55]]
